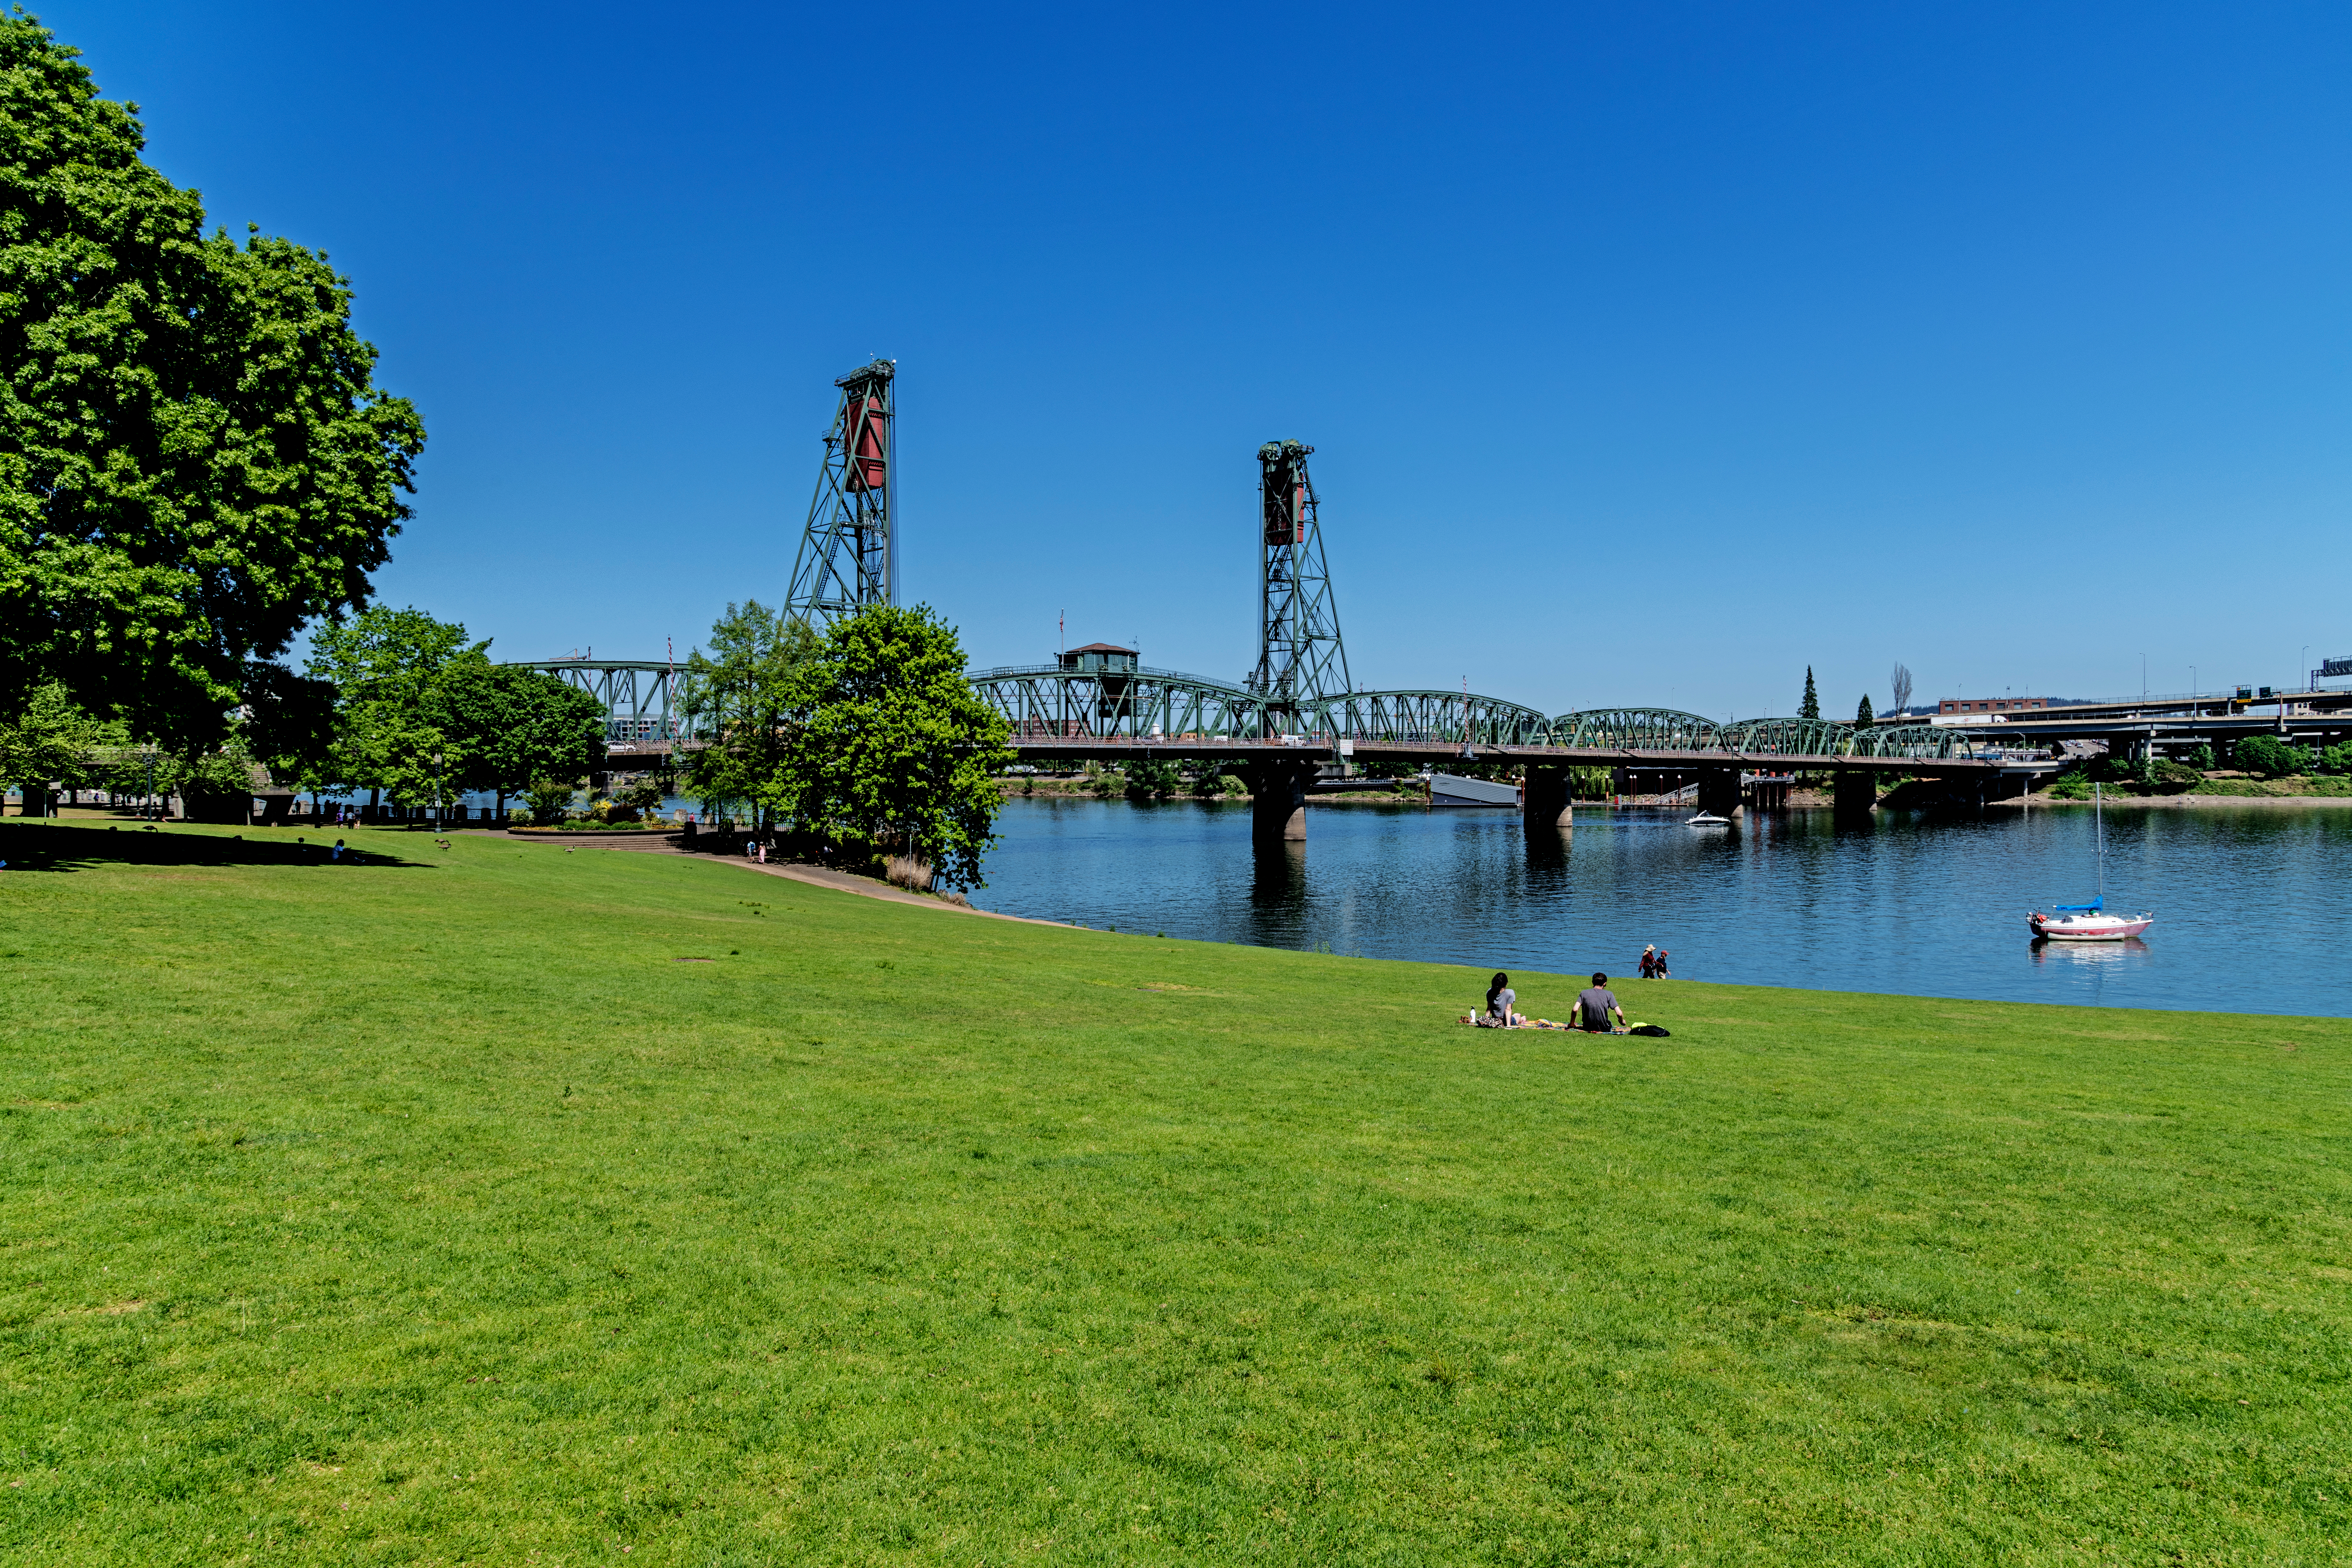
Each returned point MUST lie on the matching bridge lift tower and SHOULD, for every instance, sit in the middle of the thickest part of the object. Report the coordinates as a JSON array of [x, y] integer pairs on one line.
[[1300, 657], [848, 556]]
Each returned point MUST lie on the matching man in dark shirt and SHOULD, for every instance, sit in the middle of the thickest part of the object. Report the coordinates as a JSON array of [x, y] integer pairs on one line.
[[1593, 1007]]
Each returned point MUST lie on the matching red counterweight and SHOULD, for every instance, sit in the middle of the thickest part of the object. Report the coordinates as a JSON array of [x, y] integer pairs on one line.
[[869, 466]]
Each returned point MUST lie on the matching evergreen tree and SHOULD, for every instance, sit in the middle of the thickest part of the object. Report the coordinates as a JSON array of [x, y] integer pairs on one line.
[[1862, 715], [1810, 708]]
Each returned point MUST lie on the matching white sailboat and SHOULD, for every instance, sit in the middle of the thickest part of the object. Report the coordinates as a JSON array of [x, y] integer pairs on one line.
[[2091, 921]]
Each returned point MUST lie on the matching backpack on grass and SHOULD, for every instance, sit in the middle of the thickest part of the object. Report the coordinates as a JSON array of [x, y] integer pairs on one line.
[[1653, 1030]]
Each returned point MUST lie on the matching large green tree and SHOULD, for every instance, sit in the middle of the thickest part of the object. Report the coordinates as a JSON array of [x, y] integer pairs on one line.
[[746, 700], [384, 665], [504, 729], [893, 746], [1810, 706], [47, 743], [193, 457], [1862, 712]]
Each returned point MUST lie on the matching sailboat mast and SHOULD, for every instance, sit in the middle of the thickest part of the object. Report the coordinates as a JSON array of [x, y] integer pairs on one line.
[[2099, 837]]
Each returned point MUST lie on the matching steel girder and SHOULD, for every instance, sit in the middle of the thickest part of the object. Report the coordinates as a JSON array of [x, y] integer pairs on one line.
[[1636, 729], [1302, 660], [1450, 716], [848, 554], [639, 696], [1788, 737], [1926, 742], [1047, 702]]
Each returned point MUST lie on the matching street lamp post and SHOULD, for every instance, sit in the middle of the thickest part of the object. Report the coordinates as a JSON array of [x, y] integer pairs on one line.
[[437, 792]]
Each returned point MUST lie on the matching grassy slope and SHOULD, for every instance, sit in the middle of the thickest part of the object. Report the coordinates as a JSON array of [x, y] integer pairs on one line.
[[421, 1212]]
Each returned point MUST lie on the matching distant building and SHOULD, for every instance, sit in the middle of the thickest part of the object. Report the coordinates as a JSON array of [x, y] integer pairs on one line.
[[1101, 659], [1990, 704]]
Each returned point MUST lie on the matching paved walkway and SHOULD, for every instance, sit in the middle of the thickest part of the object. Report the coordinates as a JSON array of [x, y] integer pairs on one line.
[[814, 876]]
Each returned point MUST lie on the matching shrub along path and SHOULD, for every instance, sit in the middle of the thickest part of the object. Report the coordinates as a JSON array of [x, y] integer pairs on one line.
[[492, 1201]]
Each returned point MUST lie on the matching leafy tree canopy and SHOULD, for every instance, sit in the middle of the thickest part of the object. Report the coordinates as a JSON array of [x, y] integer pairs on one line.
[[2270, 756], [746, 698], [193, 457], [894, 746], [1863, 714], [1810, 706], [49, 740], [504, 729], [409, 688], [383, 665]]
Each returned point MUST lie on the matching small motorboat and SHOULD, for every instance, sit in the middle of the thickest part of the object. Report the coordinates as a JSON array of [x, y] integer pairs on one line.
[[1707, 819], [2091, 921]]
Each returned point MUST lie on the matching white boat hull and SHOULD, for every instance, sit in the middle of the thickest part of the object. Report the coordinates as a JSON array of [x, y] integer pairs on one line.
[[1448, 789], [2087, 927]]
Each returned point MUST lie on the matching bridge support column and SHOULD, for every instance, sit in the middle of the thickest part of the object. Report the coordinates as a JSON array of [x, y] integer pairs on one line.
[[1853, 794], [1718, 792], [1544, 803], [1278, 802]]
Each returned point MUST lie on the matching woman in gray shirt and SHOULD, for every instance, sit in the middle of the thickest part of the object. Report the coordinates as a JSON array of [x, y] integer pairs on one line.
[[1500, 998]]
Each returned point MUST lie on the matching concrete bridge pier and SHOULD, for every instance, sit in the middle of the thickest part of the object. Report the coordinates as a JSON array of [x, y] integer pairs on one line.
[[1545, 804], [1718, 792], [1853, 796], [1278, 801]]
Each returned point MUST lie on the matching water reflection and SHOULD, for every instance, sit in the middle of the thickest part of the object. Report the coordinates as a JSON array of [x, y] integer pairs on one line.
[[1906, 903]]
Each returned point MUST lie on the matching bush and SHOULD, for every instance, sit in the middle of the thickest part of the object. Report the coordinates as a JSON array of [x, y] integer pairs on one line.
[[2202, 760], [2269, 756], [2168, 777], [2074, 783], [2335, 760], [549, 802]]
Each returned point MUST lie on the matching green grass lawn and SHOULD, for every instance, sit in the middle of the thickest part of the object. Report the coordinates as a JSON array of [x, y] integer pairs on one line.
[[437, 1211]]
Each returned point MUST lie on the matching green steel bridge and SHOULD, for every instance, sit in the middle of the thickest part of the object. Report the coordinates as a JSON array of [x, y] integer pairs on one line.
[[1055, 711]]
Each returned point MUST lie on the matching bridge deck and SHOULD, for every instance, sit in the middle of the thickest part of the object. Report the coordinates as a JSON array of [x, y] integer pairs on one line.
[[1436, 755]]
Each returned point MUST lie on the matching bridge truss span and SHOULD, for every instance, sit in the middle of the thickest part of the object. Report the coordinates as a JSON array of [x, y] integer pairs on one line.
[[1405, 717], [1047, 702], [640, 696]]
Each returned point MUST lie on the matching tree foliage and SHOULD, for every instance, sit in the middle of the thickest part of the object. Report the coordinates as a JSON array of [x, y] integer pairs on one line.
[[504, 729], [383, 664], [1810, 706], [193, 457], [892, 745], [1152, 779], [2270, 756], [1863, 714], [49, 741], [409, 688], [746, 699]]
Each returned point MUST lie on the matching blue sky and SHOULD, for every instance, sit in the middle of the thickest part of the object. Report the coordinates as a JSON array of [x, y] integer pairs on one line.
[[1650, 353]]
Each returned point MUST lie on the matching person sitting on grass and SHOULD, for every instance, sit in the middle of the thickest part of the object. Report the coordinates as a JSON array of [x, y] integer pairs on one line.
[[1594, 1005], [1499, 1000]]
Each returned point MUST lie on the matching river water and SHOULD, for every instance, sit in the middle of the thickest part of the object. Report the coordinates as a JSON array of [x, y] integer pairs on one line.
[[2254, 904]]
